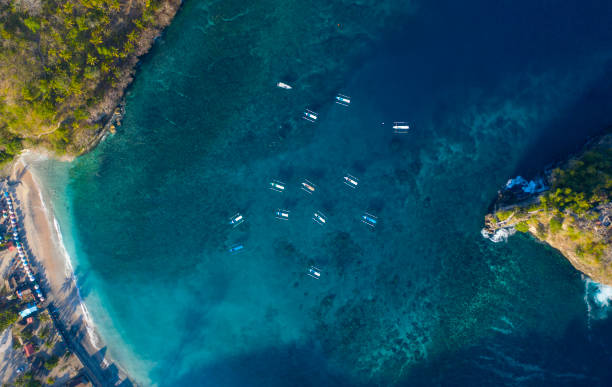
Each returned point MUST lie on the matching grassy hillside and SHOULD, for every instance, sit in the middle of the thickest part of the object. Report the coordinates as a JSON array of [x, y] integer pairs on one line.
[[64, 64], [575, 215]]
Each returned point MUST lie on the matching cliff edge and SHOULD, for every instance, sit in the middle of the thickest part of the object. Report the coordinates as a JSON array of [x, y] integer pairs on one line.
[[570, 209], [64, 66]]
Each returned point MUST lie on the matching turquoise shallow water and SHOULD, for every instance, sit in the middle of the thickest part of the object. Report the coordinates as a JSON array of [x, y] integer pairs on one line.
[[491, 91]]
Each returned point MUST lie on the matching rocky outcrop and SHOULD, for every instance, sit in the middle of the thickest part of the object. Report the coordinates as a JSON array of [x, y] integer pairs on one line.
[[570, 209]]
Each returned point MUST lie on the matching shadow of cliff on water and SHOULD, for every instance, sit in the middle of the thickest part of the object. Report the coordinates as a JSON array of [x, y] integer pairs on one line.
[[589, 117]]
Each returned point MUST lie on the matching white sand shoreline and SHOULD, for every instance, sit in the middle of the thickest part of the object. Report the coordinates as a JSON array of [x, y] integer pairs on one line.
[[55, 268]]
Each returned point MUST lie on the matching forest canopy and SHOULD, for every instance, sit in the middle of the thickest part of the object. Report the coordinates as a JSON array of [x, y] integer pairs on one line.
[[60, 60]]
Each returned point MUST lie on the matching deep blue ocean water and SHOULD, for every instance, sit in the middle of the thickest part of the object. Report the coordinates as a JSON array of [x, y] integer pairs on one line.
[[491, 90]]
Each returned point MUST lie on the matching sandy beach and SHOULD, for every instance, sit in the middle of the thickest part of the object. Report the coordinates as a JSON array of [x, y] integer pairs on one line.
[[56, 275]]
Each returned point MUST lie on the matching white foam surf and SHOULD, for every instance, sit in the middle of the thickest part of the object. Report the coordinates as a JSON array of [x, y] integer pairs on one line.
[[597, 298], [69, 270], [68, 267], [500, 235]]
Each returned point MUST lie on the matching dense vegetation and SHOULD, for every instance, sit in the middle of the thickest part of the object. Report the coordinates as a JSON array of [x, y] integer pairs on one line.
[[59, 60]]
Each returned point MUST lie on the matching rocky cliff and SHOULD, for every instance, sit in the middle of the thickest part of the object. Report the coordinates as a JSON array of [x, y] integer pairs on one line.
[[570, 208]]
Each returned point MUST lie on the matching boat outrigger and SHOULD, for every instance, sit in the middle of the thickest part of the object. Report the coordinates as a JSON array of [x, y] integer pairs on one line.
[[369, 219], [308, 187], [309, 115], [343, 100], [351, 181], [236, 249], [283, 85], [320, 218], [281, 214], [314, 272], [400, 127], [236, 220], [278, 186]]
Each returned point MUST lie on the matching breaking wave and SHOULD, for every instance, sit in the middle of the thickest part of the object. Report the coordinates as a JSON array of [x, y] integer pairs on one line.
[[68, 268], [597, 298], [501, 235]]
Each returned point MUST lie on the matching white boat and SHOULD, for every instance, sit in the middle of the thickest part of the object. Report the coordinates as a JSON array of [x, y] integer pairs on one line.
[[308, 187], [320, 218], [314, 272], [283, 85], [278, 186], [236, 219], [309, 115], [369, 219], [343, 100], [351, 181], [400, 127], [281, 214]]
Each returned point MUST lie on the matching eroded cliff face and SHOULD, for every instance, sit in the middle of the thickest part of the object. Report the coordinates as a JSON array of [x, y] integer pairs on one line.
[[570, 209]]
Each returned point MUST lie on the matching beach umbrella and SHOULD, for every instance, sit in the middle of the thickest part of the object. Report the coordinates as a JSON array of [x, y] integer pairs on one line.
[[36, 287]]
